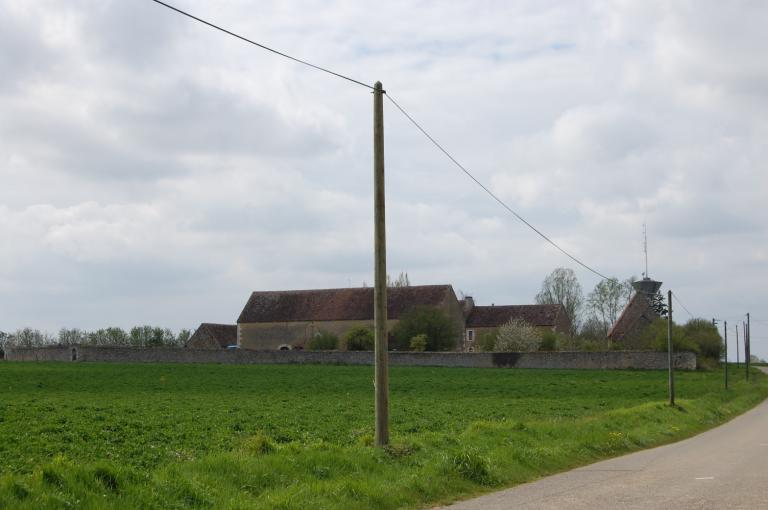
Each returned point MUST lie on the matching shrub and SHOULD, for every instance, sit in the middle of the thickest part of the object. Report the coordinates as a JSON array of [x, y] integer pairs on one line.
[[706, 337], [487, 341], [323, 341], [359, 338], [419, 342], [442, 332], [517, 336], [591, 346], [655, 337], [550, 341]]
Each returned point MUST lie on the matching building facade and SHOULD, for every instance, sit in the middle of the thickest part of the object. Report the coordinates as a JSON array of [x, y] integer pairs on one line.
[[481, 320]]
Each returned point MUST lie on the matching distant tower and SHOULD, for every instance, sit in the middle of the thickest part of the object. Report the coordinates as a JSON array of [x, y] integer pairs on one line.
[[646, 286]]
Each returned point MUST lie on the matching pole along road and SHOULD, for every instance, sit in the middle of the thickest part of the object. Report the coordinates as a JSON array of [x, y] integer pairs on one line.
[[726, 467]]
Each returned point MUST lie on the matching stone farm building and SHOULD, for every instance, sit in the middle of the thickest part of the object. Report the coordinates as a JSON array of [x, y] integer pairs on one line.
[[289, 319], [485, 319], [213, 336]]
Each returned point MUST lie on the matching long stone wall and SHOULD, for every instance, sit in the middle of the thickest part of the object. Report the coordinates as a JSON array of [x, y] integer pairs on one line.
[[644, 360]]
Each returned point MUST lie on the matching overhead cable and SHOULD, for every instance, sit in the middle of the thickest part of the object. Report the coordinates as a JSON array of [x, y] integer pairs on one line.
[[408, 116], [674, 296], [262, 46], [488, 191]]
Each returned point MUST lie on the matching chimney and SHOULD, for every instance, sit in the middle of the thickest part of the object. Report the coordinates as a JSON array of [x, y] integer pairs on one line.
[[469, 304]]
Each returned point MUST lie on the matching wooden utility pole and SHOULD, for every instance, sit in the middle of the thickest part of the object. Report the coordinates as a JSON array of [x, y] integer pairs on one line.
[[669, 350], [725, 341], [381, 380], [748, 348], [737, 346]]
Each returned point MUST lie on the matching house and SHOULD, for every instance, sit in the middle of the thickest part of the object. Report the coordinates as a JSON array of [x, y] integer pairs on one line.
[[289, 319], [213, 336], [484, 319], [635, 317]]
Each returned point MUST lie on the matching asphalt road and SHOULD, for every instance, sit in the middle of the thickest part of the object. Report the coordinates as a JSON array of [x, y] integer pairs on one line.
[[723, 468]]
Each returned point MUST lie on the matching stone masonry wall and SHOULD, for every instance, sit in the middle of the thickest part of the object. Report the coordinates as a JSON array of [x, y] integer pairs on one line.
[[643, 360]]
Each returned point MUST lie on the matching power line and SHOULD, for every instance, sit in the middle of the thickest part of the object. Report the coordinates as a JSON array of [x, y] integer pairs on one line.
[[418, 126], [300, 61], [674, 296], [489, 192]]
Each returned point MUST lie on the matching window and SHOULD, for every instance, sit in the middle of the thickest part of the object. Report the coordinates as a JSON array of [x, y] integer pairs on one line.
[[470, 336]]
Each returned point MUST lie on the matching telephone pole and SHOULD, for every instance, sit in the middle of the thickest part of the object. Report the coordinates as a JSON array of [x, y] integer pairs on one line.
[[725, 341], [381, 378], [737, 346], [748, 348], [669, 350]]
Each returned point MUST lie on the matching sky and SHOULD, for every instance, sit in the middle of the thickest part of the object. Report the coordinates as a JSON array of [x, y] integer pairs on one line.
[[156, 171]]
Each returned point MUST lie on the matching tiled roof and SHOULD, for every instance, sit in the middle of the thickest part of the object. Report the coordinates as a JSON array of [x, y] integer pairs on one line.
[[495, 316], [636, 315], [224, 334], [338, 304]]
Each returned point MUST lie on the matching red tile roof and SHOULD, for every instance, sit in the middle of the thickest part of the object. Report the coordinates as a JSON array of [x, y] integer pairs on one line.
[[338, 304], [495, 316]]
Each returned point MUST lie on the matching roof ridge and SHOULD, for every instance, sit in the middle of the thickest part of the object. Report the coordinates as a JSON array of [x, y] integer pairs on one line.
[[296, 291]]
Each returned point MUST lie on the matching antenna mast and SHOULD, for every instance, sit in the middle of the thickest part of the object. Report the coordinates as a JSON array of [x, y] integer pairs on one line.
[[645, 248]]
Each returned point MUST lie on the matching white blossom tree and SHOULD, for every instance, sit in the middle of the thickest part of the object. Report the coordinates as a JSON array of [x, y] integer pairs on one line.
[[517, 336]]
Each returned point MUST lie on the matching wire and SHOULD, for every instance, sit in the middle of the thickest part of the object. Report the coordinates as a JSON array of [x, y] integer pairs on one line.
[[674, 296], [418, 126], [262, 46], [489, 192]]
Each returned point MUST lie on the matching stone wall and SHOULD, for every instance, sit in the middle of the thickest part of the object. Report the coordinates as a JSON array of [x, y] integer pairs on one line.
[[643, 360], [42, 354]]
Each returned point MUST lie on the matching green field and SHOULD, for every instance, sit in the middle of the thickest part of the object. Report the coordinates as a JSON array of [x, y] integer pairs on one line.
[[218, 436]]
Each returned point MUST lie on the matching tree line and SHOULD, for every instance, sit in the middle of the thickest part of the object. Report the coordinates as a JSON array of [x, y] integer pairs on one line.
[[138, 336]]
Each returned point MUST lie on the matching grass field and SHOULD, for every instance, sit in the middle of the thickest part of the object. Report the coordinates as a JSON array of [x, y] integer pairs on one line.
[[218, 436]]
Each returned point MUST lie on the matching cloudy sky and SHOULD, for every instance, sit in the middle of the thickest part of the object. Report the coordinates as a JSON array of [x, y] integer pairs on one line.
[[156, 171]]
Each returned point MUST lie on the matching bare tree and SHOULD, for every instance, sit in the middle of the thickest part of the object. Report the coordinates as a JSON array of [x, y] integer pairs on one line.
[[608, 299], [72, 336], [562, 287]]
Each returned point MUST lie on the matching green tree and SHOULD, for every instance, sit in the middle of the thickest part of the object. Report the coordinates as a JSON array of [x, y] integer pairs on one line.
[[323, 341], [442, 331], [563, 288], [359, 338], [140, 336], [183, 337], [706, 337], [114, 336], [655, 337]]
